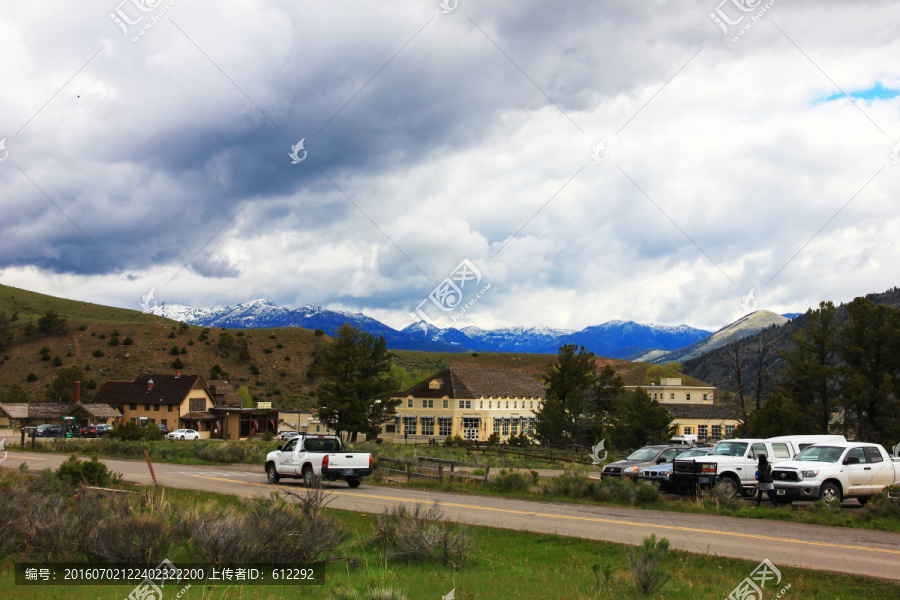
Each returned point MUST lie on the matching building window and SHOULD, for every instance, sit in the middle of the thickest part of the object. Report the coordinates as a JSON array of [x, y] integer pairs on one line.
[[717, 432], [497, 426], [317, 428], [705, 396], [481, 404], [427, 403], [465, 404], [446, 403], [729, 431], [672, 396], [409, 403], [435, 384], [409, 425], [445, 426], [146, 407], [507, 404], [132, 406], [156, 407], [688, 430], [701, 432], [531, 404], [427, 425], [515, 404], [505, 427], [490, 403], [514, 426], [688, 397], [165, 422], [198, 404]]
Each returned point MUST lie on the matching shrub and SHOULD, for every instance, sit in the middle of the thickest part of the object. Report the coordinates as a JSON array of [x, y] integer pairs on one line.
[[643, 562], [98, 354], [92, 472], [283, 533], [31, 377], [140, 538], [456, 441], [114, 340], [57, 361], [218, 536], [622, 490], [422, 536], [513, 481], [568, 483], [173, 350], [127, 341], [370, 593], [45, 357], [131, 431], [177, 363], [493, 439]]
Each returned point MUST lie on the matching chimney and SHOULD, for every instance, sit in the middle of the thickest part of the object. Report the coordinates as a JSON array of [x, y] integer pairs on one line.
[[177, 373], [149, 384], [76, 394]]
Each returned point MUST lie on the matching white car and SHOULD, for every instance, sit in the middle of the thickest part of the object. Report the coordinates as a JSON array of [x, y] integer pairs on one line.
[[286, 435], [183, 434]]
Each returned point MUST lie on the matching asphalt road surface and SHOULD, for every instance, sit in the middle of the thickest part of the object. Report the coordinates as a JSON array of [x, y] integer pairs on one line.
[[837, 549]]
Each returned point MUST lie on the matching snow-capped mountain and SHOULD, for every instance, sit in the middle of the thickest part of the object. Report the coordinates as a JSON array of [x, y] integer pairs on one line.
[[614, 339], [746, 326]]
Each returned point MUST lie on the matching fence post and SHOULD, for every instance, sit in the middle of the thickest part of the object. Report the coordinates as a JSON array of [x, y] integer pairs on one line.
[[487, 470], [408, 471], [441, 473]]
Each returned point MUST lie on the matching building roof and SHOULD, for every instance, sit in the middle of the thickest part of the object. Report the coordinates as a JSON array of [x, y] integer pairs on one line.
[[223, 393], [199, 415], [700, 411], [98, 410], [166, 389], [111, 391], [471, 382], [37, 410]]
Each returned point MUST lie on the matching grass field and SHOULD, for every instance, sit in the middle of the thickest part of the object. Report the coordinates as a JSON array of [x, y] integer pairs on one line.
[[507, 564]]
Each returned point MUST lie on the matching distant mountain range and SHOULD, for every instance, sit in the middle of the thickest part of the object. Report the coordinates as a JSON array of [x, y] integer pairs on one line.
[[613, 339]]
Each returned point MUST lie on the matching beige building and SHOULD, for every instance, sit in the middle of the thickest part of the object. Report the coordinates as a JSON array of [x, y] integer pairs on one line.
[[187, 402], [468, 402], [692, 408]]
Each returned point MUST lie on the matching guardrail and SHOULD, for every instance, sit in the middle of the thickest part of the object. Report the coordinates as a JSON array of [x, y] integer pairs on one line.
[[432, 468]]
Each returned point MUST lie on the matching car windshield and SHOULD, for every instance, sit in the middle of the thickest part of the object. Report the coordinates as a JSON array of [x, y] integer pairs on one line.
[[644, 454], [729, 449], [827, 454]]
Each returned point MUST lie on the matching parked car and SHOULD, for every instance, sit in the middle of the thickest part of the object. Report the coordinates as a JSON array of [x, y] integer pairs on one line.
[[662, 474], [164, 428], [183, 434], [89, 431], [644, 457], [317, 457], [48, 431], [103, 429], [836, 471], [286, 435]]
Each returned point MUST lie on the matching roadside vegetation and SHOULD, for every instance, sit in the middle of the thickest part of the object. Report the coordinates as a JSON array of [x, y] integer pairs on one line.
[[403, 553]]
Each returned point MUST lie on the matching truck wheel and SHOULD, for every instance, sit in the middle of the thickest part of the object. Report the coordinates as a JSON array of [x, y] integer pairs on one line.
[[309, 478], [354, 483], [863, 500], [730, 488], [829, 492], [272, 474]]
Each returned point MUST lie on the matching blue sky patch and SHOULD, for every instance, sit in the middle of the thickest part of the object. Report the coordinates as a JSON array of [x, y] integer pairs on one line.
[[876, 92]]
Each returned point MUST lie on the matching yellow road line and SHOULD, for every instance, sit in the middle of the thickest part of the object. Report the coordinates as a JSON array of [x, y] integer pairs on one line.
[[600, 520], [28, 456]]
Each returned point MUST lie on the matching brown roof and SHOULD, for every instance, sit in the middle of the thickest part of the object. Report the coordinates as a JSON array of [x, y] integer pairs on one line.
[[166, 389], [99, 410], [700, 411], [470, 382], [199, 415], [111, 391], [223, 393], [37, 410]]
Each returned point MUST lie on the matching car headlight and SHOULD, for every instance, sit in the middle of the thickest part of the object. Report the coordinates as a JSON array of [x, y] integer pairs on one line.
[[708, 467], [631, 470], [809, 473]]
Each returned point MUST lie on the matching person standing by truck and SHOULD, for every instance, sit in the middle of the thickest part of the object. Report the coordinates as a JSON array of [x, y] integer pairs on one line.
[[764, 475]]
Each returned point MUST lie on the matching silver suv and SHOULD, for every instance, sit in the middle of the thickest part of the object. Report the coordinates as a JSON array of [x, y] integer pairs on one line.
[[645, 457]]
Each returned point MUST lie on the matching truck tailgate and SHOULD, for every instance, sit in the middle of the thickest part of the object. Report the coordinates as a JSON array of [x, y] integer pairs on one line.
[[348, 460]]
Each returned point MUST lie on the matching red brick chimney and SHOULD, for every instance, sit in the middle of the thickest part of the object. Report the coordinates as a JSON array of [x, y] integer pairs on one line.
[[177, 372], [76, 394]]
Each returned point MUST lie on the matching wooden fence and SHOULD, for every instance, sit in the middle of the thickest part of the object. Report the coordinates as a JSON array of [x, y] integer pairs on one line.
[[432, 468], [581, 458]]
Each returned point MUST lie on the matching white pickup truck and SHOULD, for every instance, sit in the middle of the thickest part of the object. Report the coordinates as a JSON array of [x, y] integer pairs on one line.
[[836, 471], [315, 458], [732, 463]]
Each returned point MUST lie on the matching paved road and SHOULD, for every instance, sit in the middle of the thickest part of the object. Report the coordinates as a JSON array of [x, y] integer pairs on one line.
[[854, 551]]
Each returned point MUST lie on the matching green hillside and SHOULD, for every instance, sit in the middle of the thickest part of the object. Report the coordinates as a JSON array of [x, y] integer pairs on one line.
[[271, 363]]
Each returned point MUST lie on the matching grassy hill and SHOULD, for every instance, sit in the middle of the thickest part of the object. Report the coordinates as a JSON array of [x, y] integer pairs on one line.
[[273, 368]]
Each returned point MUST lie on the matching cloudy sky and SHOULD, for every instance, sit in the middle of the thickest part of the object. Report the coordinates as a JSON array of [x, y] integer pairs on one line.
[[593, 161]]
